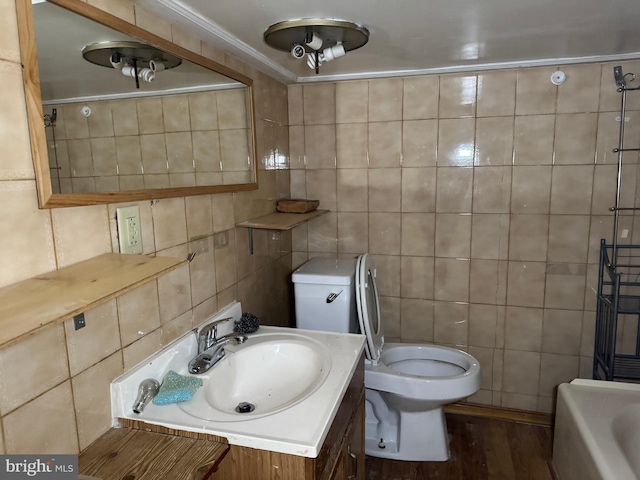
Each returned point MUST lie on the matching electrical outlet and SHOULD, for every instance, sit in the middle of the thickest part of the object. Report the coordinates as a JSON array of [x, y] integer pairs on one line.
[[129, 229], [79, 321]]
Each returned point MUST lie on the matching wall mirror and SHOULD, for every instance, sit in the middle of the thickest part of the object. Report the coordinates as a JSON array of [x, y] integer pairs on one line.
[[118, 114]]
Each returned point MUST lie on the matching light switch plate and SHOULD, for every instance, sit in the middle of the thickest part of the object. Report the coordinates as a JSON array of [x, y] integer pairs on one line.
[[129, 229]]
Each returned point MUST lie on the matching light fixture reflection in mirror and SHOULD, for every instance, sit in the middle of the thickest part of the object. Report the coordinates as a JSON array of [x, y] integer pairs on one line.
[[132, 59], [187, 131]]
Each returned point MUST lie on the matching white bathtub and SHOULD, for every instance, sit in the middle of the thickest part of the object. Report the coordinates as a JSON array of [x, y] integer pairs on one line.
[[597, 431]]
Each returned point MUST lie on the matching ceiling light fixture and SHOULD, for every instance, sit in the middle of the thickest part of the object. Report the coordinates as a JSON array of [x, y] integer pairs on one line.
[[319, 39], [133, 59]]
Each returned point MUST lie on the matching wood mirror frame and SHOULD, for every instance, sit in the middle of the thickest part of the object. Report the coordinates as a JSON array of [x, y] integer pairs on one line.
[[46, 197]]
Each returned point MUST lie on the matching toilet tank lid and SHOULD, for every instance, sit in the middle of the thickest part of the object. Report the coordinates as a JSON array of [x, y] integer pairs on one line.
[[326, 271]]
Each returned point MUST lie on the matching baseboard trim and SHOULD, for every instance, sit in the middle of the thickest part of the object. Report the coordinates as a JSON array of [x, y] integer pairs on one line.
[[500, 413]]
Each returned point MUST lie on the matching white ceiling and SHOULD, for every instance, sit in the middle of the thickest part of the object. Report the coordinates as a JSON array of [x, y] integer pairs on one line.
[[421, 36]]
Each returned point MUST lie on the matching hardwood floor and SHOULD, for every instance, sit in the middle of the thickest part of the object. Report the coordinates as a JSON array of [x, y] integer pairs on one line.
[[481, 449]]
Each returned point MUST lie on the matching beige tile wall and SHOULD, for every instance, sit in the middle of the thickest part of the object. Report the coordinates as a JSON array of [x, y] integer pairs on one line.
[[54, 387], [172, 141], [482, 199]]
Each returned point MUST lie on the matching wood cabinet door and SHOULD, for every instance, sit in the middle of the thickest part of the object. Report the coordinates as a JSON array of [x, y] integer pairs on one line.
[[341, 471], [355, 446], [350, 464]]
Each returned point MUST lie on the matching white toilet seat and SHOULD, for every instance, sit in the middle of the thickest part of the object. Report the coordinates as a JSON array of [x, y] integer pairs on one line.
[[459, 378], [369, 308], [412, 370]]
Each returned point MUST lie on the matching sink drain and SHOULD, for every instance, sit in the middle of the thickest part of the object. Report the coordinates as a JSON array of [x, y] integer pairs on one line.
[[245, 407]]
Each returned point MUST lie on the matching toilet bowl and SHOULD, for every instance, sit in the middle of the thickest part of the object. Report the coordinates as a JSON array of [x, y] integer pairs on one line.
[[406, 384]]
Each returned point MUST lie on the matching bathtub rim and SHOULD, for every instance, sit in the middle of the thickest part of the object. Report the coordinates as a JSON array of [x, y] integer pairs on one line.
[[604, 451]]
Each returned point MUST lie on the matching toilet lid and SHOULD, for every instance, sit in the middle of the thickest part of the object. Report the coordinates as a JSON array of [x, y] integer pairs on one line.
[[369, 307]]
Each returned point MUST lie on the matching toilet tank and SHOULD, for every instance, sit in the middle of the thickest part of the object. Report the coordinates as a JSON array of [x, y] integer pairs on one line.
[[324, 295]]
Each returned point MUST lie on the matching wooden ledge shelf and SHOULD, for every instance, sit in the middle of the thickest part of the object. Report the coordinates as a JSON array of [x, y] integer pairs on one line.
[[122, 453], [281, 221], [32, 305], [278, 221]]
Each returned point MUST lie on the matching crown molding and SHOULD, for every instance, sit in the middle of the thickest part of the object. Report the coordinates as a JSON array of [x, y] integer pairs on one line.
[[547, 62], [208, 30]]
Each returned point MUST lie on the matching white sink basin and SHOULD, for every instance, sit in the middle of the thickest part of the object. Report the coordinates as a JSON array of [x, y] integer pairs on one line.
[[295, 378], [268, 373]]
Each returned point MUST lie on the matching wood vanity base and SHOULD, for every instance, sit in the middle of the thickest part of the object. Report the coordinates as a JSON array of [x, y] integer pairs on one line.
[[140, 451]]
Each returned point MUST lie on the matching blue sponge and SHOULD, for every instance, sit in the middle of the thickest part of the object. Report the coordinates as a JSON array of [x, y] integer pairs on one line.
[[176, 388]]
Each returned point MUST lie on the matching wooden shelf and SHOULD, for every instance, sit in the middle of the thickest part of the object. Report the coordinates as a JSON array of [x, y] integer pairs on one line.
[[281, 221], [46, 300], [278, 221], [123, 453]]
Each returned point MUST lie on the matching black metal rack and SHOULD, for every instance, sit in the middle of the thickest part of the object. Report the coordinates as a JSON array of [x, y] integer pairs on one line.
[[618, 282], [618, 294]]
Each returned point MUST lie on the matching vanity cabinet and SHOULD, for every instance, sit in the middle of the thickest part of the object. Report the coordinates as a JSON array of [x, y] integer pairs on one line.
[[148, 452]]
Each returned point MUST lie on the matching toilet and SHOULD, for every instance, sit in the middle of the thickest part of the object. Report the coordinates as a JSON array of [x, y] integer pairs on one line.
[[406, 384]]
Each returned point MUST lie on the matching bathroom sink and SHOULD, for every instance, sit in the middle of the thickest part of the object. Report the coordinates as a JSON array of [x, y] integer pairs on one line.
[[266, 374], [294, 378]]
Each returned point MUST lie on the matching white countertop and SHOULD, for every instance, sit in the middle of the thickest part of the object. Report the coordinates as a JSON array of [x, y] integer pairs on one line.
[[297, 430]]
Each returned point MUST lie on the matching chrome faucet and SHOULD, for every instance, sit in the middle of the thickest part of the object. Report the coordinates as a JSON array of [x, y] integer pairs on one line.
[[208, 334], [212, 355], [211, 348]]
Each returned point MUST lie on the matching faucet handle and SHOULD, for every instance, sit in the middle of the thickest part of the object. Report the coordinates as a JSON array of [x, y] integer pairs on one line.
[[208, 335], [220, 320]]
